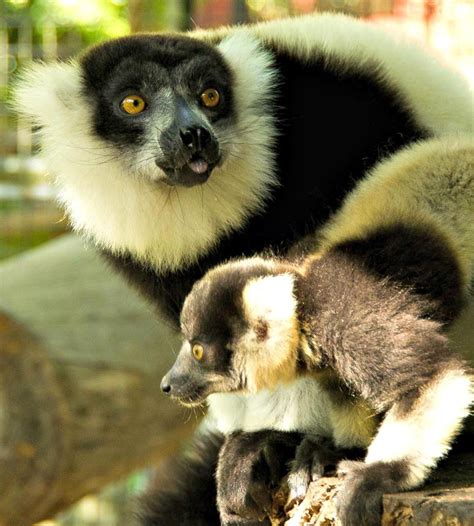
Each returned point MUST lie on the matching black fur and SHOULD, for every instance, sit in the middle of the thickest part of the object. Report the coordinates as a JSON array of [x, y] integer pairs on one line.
[[336, 121], [250, 468], [369, 329], [359, 500], [183, 492], [416, 259]]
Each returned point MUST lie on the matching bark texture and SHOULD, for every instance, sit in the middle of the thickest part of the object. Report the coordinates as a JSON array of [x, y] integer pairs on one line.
[[446, 500], [81, 359]]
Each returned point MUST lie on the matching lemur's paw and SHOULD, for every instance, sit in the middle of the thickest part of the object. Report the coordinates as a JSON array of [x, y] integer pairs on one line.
[[359, 500], [313, 459], [250, 467]]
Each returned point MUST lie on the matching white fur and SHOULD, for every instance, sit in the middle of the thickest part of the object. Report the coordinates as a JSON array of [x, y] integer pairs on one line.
[[270, 358], [122, 211], [424, 436], [304, 405], [46, 91], [271, 298]]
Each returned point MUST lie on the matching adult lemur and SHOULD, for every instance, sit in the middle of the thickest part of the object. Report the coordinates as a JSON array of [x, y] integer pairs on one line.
[[176, 152]]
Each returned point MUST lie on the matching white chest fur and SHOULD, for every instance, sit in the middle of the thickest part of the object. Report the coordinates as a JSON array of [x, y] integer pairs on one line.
[[303, 405]]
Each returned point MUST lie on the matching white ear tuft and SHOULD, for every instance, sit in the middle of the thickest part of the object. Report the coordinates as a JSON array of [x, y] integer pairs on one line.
[[44, 91], [267, 351], [270, 298]]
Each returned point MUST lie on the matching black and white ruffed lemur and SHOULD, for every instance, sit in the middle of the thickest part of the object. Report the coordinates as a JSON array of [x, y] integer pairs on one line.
[[176, 152], [348, 345]]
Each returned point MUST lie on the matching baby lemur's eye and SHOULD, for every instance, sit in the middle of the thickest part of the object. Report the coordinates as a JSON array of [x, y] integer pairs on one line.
[[198, 351], [133, 104], [210, 97]]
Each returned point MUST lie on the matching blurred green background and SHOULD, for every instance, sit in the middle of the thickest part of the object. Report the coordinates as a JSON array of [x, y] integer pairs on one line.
[[58, 29]]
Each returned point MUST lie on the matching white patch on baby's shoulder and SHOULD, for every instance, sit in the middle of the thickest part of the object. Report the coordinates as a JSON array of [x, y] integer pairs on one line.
[[272, 299]]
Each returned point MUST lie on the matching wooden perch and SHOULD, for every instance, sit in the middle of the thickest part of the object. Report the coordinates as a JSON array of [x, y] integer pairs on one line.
[[446, 500], [81, 359]]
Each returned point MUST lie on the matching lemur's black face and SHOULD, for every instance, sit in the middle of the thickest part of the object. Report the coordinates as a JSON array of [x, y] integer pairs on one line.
[[165, 102], [237, 336], [210, 319], [201, 368]]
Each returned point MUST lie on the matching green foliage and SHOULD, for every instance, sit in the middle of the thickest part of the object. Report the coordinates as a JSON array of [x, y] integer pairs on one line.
[[94, 19]]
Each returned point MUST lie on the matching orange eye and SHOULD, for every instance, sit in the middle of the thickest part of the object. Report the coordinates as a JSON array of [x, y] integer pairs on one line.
[[210, 98], [198, 351], [133, 104]]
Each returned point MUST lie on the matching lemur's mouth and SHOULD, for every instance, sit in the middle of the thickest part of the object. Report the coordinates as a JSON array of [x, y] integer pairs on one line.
[[193, 172], [190, 401]]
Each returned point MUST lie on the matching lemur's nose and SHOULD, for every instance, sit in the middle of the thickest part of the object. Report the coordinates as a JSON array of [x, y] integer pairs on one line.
[[165, 386], [196, 138]]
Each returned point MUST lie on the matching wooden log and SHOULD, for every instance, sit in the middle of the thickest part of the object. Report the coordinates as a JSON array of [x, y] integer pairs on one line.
[[446, 500], [81, 359]]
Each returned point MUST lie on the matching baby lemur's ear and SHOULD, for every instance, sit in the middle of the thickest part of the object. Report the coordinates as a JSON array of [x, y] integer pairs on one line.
[[270, 298], [268, 348]]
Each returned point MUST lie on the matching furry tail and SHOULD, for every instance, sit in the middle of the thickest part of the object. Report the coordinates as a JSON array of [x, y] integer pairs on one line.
[[183, 491]]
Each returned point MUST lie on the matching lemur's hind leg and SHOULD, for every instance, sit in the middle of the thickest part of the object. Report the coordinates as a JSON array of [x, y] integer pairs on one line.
[[414, 435], [183, 492]]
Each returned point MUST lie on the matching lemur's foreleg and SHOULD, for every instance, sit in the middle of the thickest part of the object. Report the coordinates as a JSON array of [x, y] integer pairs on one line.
[[415, 434], [250, 467]]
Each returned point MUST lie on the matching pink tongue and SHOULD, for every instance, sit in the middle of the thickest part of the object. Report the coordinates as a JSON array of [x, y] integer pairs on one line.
[[199, 166]]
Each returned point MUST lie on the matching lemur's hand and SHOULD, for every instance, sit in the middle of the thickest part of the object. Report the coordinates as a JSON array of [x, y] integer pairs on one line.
[[359, 500], [250, 467], [315, 457]]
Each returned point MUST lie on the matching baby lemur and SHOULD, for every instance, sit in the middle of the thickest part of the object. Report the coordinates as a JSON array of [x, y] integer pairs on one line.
[[325, 349]]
